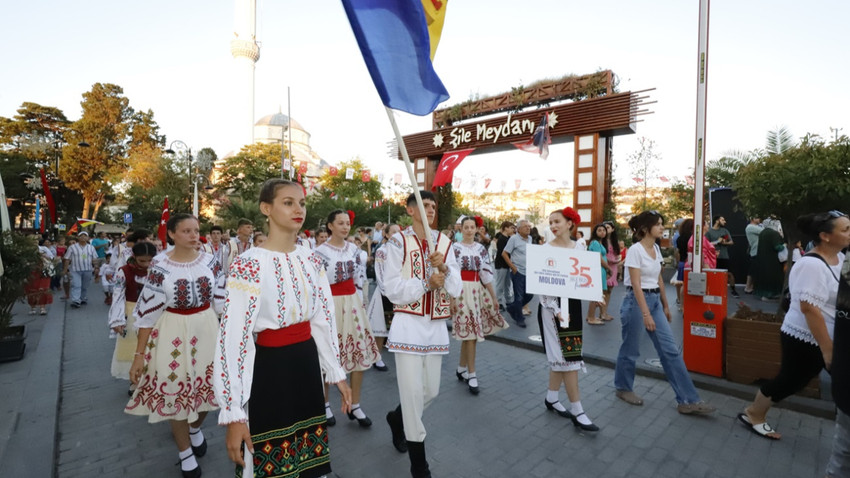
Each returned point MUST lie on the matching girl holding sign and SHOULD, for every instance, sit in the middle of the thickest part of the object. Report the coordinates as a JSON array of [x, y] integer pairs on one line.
[[562, 332], [645, 308]]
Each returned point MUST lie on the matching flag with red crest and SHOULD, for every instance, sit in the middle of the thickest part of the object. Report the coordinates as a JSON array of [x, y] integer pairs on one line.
[[163, 220]]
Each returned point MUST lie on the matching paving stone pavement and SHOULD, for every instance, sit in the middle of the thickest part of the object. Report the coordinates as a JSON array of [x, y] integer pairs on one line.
[[503, 432]]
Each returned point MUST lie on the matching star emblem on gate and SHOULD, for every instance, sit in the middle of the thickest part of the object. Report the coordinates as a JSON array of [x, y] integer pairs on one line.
[[438, 140], [553, 119]]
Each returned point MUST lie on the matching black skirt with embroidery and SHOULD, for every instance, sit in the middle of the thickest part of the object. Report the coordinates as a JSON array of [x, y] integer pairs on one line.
[[569, 339], [287, 413]]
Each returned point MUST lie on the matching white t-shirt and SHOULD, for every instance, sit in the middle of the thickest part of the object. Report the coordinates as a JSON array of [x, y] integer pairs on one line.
[[650, 268]]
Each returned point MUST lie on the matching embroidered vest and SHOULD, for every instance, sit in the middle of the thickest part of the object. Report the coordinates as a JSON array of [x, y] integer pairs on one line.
[[414, 266]]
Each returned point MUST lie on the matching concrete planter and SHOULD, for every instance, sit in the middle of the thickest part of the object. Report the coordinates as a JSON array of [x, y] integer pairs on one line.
[[753, 353], [13, 343]]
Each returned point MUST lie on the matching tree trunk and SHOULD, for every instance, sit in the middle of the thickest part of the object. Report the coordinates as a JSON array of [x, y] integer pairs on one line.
[[86, 206], [97, 205]]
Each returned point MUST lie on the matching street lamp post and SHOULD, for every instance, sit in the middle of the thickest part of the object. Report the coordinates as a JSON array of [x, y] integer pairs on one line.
[[196, 161]]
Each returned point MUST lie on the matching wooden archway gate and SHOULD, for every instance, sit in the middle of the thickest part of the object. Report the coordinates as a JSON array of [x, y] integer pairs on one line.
[[591, 120]]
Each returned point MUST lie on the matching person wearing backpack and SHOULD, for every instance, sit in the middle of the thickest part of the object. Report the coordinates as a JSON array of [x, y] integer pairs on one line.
[[807, 330]]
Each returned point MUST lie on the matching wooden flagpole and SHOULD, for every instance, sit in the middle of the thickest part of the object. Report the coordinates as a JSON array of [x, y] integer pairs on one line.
[[413, 182]]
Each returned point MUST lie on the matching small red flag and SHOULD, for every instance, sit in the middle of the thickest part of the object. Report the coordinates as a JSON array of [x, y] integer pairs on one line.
[[367, 176], [333, 171], [161, 232], [451, 160], [48, 196], [487, 182], [302, 167]]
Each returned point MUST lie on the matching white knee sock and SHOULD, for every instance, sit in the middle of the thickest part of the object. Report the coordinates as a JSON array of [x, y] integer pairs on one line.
[[552, 398], [357, 411], [328, 412], [196, 435], [473, 380], [187, 460], [578, 412]]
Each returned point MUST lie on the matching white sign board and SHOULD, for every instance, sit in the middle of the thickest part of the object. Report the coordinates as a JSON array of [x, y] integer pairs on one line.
[[562, 272]]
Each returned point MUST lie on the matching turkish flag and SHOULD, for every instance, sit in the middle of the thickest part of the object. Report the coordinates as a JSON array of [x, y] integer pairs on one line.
[[333, 171], [302, 168], [366, 176], [451, 160], [487, 182], [161, 232]]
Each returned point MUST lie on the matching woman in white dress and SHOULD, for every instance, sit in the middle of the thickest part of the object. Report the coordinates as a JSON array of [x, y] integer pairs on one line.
[[475, 313], [562, 332], [177, 322], [276, 341], [346, 272], [129, 282], [380, 309]]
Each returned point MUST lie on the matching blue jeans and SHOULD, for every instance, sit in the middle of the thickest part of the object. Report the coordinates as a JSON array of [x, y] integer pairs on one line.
[[631, 318], [80, 285], [520, 297]]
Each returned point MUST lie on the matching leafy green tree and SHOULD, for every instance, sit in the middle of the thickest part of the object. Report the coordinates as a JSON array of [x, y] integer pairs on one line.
[[106, 125], [244, 173], [810, 177], [355, 189], [145, 202], [36, 131], [145, 150]]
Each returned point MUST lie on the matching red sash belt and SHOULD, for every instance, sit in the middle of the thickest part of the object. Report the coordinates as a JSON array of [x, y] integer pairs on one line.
[[343, 288], [469, 276], [191, 311], [293, 334]]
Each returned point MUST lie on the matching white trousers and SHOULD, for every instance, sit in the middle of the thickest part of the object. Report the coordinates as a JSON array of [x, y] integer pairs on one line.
[[418, 386]]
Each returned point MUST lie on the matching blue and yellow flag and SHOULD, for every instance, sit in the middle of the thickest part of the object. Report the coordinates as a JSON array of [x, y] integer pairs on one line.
[[397, 46]]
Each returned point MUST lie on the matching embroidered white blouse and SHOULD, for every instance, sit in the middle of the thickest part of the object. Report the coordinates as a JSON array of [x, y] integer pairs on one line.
[[551, 302], [116, 314], [343, 263], [474, 257], [811, 281], [179, 285], [413, 334], [270, 290]]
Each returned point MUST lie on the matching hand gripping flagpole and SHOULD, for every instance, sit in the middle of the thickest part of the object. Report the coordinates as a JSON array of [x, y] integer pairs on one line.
[[413, 182]]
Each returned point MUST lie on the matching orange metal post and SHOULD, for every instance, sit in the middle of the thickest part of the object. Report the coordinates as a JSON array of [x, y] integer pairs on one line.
[[703, 327]]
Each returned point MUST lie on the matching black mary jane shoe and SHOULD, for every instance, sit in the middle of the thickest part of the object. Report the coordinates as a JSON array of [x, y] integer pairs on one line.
[[331, 420], [587, 428], [460, 376], [193, 473], [381, 368], [551, 406], [201, 449], [363, 422], [474, 390]]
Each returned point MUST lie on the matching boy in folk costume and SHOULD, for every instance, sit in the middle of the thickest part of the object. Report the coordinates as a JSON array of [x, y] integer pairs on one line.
[[420, 283]]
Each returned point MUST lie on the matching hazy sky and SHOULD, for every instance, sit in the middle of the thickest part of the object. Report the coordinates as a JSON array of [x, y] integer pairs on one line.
[[771, 63]]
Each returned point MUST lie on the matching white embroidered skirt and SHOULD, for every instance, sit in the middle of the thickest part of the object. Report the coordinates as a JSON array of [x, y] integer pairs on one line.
[[477, 315], [125, 346], [176, 383], [357, 348]]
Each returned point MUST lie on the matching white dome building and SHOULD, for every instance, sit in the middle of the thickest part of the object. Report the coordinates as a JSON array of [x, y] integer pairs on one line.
[[274, 128]]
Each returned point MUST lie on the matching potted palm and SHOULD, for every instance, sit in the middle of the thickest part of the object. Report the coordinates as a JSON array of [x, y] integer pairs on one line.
[[20, 258]]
